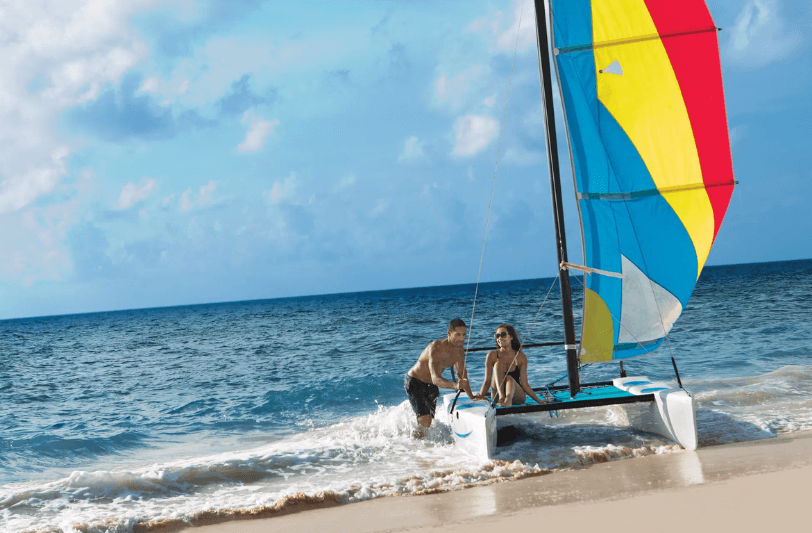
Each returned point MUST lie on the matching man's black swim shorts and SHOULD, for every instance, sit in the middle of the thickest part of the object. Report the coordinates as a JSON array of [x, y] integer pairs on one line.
[[422, 396]]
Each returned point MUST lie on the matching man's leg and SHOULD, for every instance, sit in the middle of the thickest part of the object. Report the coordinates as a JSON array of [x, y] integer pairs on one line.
[[425, 420], [423, 398]]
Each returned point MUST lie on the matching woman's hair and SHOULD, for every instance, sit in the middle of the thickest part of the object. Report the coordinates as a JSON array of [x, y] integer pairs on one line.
[[515, 343]]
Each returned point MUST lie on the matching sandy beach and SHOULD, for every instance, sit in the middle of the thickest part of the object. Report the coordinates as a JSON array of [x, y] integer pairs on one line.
[[748, 486]]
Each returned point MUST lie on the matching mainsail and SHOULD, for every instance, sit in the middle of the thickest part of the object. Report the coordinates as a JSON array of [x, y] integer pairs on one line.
[[641, 84]]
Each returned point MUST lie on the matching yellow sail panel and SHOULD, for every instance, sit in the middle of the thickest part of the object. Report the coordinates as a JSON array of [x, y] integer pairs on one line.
[[598, 331], [647, 103]]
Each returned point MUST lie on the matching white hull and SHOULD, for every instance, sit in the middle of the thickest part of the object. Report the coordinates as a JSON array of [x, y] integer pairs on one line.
[[473, 425], [671, 414]]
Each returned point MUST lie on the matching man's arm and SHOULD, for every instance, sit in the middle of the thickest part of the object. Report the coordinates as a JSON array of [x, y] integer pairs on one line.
[[463, 382]]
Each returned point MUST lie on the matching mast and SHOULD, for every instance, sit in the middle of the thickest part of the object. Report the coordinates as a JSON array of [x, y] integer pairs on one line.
[[555, 188]]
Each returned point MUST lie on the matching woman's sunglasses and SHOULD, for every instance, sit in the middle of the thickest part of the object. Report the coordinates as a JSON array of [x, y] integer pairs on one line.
[[501, 335]]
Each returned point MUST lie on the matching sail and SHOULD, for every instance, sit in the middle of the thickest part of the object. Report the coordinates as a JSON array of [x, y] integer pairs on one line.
[[641, 84]]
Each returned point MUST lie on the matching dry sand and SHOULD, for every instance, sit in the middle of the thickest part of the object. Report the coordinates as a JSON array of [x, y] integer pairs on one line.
[[752, 486]]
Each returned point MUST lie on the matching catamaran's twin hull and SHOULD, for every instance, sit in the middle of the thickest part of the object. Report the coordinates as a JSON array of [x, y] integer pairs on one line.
[[654, 407]]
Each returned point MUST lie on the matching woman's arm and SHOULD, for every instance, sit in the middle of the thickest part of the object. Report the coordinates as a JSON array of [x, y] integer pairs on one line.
[[522, 363], [486, 385]]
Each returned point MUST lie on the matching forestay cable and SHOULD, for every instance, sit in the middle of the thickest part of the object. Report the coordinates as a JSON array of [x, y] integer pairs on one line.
[[493, 186]]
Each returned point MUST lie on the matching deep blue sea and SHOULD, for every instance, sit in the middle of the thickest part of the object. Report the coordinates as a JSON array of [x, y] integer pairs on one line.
[[111, 419]]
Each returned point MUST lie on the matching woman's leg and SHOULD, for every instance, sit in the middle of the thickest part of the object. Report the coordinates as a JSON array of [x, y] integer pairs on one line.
[[515, 392]]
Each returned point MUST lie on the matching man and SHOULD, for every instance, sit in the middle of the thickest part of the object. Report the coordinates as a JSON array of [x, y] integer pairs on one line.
[[424, 378]]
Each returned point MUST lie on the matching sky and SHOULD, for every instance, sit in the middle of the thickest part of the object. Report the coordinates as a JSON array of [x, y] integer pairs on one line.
[[159, 153]]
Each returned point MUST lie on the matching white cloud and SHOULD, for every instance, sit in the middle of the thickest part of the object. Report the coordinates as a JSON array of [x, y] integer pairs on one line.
[[522, 20], [346, 181], [56, 54], [737, 133], [204, 197], [22, 187], [380, 207], [258, 130], [473, 133], [412, 150], [523, 23], [452, 91], [759, 35], [489, 101], [521, 156], [33, 239], [486, 23], [132, 193], [150, 85], [284, 190], [32, 246]]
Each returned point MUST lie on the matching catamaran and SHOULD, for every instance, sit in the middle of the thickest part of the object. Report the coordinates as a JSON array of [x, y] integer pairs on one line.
[[643, 105]]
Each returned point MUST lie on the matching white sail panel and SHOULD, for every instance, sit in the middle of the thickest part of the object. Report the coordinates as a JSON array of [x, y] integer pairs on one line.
[[648, 309]]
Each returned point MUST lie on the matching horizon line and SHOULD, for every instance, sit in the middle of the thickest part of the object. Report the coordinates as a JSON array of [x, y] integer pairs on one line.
[[368, 291]]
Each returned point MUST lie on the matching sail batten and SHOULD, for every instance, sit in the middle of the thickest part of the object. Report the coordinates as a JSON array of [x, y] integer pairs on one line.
[[641, 86], [648, 192], [630, 40]]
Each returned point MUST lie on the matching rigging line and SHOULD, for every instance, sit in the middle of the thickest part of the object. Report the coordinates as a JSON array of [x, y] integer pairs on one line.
[[532, 345], [526, 335], [665, 333], [550, 384], [647, 352], [493, 187]]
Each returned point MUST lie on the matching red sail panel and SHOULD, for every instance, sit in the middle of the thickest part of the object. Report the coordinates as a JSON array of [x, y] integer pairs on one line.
[[695, 60]]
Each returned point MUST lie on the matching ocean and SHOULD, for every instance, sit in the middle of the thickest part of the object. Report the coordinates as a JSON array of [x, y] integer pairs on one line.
[[111, 420]]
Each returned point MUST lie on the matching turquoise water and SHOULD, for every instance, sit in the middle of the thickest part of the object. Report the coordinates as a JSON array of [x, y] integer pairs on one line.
[[113, 418]]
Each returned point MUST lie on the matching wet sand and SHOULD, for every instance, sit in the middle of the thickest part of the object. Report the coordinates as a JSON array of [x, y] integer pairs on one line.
[[750, 486]]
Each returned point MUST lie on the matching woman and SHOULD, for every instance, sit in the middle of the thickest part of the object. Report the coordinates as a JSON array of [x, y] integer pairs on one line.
[[508, 366]]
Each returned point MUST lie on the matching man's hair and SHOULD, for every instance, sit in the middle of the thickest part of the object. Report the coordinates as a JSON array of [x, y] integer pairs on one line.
[[515, 343], [456, 323]]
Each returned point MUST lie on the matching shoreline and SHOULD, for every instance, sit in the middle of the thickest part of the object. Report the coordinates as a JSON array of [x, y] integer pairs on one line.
[[729, 485]]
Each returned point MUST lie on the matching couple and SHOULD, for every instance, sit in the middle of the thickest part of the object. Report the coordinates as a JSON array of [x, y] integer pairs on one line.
[[507, 366]]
